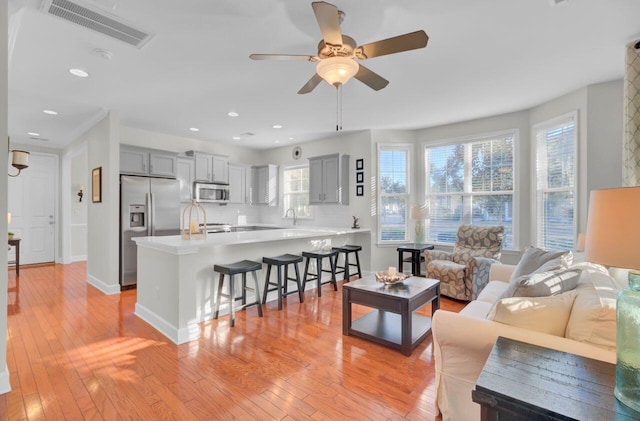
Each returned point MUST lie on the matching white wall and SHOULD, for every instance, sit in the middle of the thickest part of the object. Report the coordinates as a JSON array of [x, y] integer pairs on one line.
[[79, 175], [103, 218], [5, 386]]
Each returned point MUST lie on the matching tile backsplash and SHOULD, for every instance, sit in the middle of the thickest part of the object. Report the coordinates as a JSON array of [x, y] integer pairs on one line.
[[323, 216]]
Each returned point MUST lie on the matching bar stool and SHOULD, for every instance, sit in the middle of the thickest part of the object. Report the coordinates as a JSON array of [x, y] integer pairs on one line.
[[233, 269], [309, 277], [282, 283], [345, 269]]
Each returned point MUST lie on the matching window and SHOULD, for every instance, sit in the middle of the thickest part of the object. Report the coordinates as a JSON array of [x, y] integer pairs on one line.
[[393, 192], [556, 151], [296, 191], [470, 183]]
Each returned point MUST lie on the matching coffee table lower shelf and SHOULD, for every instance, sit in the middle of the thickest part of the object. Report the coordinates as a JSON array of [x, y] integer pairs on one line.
[[382, 327]]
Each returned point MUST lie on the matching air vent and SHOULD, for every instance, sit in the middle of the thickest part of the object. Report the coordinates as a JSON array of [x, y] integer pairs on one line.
[[97, 20], [247, 134]]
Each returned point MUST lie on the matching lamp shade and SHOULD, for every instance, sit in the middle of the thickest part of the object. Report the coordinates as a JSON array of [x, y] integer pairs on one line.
[[20, 159], [419, 212], [337, 70], [613, 228]]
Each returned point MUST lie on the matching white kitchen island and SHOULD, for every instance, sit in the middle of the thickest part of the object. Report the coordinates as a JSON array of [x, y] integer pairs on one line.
[[176, 283]]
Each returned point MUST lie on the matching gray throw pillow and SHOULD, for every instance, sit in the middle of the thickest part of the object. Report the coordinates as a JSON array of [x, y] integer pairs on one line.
[[538, 260], [543, 284]]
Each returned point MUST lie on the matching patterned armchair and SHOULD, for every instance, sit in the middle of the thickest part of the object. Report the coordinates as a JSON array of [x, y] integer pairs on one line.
[[464, 272]]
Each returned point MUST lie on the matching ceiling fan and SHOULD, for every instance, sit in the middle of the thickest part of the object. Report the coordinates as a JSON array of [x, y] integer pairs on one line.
[[337, 52]]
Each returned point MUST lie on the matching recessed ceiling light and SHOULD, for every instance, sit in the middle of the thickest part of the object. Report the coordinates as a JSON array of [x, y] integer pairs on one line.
[[277, 141], [233, 114], [236, 137], [290, 138], [194, 129], [277, 126], [78, 72], [50, 112], [33, 134]]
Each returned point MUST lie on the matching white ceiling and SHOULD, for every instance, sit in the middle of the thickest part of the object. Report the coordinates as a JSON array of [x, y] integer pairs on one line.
[[484, 57]]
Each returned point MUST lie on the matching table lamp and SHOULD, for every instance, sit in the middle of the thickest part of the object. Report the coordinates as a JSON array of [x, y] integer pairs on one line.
[[419, 214], [613, 232]]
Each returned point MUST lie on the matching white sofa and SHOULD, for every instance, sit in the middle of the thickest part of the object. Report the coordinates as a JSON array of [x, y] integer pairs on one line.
[[462, 341]]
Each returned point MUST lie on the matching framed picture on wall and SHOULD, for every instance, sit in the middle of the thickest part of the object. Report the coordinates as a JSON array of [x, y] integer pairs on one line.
[[96, 185], [360, 177], [359, 190], [360, 164]]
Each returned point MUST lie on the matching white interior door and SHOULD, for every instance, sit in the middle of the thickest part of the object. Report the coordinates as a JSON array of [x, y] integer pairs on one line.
[[32, 203]]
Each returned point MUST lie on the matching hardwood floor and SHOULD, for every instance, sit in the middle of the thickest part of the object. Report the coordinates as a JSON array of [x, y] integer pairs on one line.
[[75, 353]]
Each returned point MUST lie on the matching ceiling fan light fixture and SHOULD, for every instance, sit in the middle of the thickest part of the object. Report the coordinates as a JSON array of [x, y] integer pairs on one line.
[[337, 70]]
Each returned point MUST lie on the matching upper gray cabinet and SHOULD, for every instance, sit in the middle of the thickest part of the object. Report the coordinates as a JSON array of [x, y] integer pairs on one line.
[[211, 168], [238, 186], [141, 161], [329, 179]]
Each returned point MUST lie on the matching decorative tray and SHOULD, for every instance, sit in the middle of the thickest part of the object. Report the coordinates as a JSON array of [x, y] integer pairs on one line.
[[387, 279]]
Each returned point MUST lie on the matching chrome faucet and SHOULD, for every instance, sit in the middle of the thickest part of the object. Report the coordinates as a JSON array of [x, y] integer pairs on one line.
[[295, 219]]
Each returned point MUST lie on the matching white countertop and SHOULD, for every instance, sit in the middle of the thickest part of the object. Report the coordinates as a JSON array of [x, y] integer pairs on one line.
[[175, 244]]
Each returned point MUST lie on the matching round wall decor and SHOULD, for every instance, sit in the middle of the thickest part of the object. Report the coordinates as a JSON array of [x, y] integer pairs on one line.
[[296, 152]]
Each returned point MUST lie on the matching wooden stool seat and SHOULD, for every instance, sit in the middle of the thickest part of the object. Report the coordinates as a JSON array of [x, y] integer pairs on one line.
[[282, 282], [346, 250], [319, 256], [242, 267]]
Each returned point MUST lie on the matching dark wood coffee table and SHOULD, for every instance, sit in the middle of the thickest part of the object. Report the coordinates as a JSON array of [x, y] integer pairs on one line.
[[394, 322]]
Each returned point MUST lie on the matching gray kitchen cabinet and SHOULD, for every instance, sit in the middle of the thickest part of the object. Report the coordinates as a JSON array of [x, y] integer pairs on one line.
[[141, 161], [211, 168], [329, 179], [265, 185], [238, 184], [186, 176]]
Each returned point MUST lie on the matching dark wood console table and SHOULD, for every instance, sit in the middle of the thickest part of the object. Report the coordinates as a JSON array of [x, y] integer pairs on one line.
[[16, 243], [521, 381]]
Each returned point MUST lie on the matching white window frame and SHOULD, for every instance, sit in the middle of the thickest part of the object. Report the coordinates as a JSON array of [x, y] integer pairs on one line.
[[536, 209], [409, 150], [515, 212], [285, 194]]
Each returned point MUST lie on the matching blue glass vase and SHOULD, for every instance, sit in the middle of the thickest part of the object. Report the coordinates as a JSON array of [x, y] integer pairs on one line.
[[628, 344]]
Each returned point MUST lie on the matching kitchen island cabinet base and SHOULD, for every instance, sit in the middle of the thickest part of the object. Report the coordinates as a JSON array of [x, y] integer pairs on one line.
[[176, 283]]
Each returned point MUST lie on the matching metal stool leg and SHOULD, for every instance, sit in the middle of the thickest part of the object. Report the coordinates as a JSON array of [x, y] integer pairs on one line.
[[255, 281], [244, 288]]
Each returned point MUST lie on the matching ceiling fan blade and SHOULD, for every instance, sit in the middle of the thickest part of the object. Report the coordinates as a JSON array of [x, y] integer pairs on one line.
[[406, 42], [371, 79], [329, 21], [282, 57], [311, 84]]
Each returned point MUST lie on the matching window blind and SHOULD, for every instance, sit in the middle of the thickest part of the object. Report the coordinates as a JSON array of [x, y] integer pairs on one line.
[[556, 184], [393, 188]]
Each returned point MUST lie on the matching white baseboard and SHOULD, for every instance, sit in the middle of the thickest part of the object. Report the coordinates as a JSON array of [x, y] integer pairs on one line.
[[108, 289], [5, 385], [177, 336], [80, 258]]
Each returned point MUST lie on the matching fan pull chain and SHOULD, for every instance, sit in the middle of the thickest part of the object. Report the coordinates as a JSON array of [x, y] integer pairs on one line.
[[338, 106]]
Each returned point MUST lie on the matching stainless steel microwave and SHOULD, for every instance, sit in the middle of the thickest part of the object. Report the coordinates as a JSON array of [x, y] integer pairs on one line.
[[210, 193]]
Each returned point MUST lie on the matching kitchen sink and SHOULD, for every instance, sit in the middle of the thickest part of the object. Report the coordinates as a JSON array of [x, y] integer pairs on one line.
[[239, 228]]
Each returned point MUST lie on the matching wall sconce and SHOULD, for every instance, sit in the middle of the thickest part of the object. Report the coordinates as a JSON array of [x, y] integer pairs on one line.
[[19, 160], [80, 194]]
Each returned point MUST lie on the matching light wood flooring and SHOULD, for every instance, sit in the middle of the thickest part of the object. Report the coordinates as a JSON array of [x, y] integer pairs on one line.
[[75, 353]]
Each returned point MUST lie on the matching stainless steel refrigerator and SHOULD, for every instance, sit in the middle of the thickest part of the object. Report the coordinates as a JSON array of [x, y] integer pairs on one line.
[[148, 207]]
